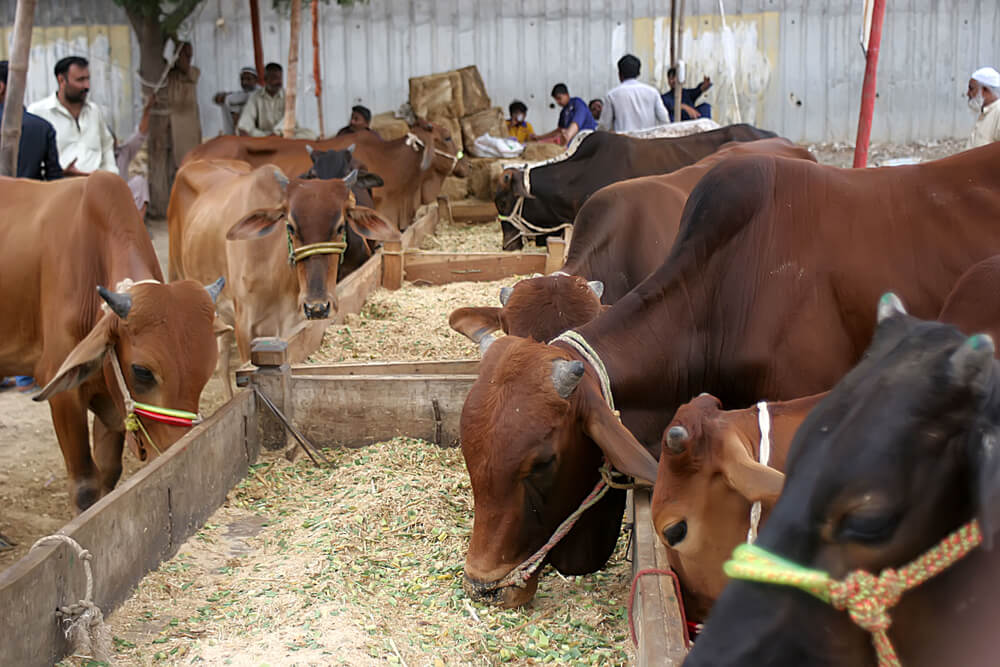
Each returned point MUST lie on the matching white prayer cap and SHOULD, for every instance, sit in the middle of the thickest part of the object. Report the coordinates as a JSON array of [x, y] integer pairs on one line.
[[987, 76]]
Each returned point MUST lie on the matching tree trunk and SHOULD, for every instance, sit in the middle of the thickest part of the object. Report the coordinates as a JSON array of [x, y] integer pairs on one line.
[[258, 53], [292, 81], [10, 126], [151, 40]]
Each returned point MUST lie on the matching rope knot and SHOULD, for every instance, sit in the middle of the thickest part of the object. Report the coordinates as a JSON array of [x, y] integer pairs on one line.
[[867, 598], [131, 422]]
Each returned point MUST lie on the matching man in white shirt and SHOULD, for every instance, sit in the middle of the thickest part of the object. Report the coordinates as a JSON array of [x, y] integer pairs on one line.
[[82, 135], [983, 93], [264, 111], [632, 105]]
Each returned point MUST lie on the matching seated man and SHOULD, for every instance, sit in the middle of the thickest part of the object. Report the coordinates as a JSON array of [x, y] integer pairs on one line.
[[689, 96], [264, 113], [517, 127], [232, 103], [125, 153], [575, 116], [596, 107], [361, 119], [37, 153]]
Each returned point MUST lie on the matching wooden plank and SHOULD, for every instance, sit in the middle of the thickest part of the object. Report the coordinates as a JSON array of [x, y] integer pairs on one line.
[[392, 265], [421, 228], [129, 532], [359, 410], [473, 211], [439, 268], [447, 367], [555, 255], [656, 610], [355, 289]]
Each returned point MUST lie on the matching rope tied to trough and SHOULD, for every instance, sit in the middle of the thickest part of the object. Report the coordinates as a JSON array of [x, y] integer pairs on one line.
[[866, 598], [82, 621], [524, 228]]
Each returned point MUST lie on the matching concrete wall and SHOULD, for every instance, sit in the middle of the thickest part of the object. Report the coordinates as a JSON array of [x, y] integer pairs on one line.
[[796, 64]]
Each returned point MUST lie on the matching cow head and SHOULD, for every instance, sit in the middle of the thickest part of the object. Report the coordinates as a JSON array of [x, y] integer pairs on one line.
[[539, 308], [900, 454], [708, 477], [534, 430], [164, 336], [311, 212], [438, 137], [338, 164]]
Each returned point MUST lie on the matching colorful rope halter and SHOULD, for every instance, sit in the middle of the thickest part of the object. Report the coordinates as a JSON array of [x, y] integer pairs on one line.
[[866, 598]]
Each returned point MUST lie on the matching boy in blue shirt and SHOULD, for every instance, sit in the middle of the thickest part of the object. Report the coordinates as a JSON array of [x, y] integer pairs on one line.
[[575, 116]]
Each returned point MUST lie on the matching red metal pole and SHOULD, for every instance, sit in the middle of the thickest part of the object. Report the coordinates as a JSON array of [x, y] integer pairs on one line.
[[868, 91], [317, 80], [258, 52]]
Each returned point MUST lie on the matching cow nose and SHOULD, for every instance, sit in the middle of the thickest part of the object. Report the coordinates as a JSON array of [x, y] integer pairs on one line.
[[316, 311], [676, 533]]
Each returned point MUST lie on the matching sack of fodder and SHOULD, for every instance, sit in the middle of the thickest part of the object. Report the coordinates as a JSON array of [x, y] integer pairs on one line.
[[489, 122], [388, 126], [437, 95]]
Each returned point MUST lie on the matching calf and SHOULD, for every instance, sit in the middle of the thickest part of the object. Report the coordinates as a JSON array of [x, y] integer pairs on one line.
[[278, 242]]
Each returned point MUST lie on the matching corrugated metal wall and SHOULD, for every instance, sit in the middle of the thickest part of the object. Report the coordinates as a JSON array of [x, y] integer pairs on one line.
[[796, 64]]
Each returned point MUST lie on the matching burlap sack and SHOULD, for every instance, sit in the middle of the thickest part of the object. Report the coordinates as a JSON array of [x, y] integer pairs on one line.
[[388, 126], [489, 121], [474, 96]]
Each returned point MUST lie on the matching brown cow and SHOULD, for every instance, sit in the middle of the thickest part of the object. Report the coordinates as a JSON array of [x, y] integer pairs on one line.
[[259, 229], [552, 194], [58, 242], [621, 235], [767, 292], [710, 473], [412, 169]]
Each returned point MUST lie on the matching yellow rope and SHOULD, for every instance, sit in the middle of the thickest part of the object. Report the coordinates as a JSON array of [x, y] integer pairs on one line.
[[866, 598], [133, 424]]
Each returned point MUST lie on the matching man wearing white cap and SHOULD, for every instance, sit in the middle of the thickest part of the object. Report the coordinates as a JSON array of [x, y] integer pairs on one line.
[[983, 93], [232, 103]]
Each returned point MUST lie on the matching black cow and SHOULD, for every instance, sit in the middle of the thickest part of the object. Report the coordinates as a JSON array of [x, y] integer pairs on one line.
[[901, 454]]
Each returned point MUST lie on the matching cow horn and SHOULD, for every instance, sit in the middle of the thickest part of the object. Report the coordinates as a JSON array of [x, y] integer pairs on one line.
[[216, 288], [889, 306], [972, 362], [485, 342], [566, 375], [676, 437], [597, 287], [119, 303], [282, 179], [350, 149], [309, 149], [505, 293], [351, 178]]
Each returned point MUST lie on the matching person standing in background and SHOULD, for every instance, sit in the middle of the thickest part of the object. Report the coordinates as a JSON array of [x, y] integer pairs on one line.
[[632, 105], [182, 105]]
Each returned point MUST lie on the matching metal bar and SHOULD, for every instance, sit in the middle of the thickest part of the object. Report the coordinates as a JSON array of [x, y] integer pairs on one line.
[[868, 89]]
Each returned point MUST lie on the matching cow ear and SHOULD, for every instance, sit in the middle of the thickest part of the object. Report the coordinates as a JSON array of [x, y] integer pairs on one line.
[[752, 480], [256, 224], [621, 448], [518, 186], [475, 323], [368, 180], [428, 157], [370, 225], [83, 360]]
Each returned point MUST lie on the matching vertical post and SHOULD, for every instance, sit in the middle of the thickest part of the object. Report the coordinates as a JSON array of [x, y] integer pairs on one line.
[[392, 264], [673, 32], [258, 51], [868, 89], [555, 251], [273, 377], [444, 210], [292, 80], [317, 79], [679, 87], [13, 111]]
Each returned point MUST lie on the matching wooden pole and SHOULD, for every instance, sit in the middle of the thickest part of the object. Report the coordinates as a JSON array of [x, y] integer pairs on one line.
[[317, 79], [868, 89], [13, 110], [678, 87], [673, 32], [292, 80], [392, 264], [258, 51]]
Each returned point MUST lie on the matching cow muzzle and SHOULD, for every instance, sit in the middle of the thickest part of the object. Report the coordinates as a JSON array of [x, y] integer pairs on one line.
[[316, 311], [498, 594]]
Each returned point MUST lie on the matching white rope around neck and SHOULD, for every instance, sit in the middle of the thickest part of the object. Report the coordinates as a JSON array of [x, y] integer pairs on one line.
[[764, 422], [580, 344]]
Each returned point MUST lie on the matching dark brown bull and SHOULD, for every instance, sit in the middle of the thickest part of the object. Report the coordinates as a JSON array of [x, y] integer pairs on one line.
[[710, 470], [621, 235], [767, 292], [412, 171], [900, 455], [58, 242], [554, 193]]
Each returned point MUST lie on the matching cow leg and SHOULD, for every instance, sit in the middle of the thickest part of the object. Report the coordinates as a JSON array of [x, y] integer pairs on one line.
[[108, 447], [69, 417]]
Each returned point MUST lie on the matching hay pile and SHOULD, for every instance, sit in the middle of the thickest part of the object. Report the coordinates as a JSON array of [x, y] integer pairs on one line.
[[358, 564]]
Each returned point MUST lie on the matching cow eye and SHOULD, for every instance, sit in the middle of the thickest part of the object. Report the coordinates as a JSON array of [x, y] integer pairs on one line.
[[144, 378], [291, 230], [868, 527]]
